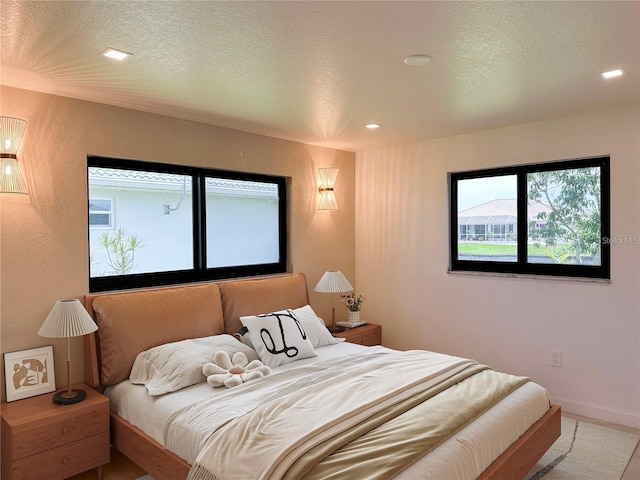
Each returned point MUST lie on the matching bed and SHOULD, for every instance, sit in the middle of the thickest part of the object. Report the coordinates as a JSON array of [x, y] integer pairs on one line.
[[503, 440]]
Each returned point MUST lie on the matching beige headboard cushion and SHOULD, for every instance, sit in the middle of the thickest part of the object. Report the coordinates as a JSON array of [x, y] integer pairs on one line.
[[131, 322], [252, 297]]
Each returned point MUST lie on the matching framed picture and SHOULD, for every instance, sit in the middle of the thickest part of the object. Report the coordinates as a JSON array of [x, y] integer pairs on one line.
[[29, 372]]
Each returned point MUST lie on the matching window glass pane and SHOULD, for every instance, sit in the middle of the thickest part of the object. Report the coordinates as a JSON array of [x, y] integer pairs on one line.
[[564, 216], [487, 219], [100, 211], [242, 222], [153, 226], [99, 220]]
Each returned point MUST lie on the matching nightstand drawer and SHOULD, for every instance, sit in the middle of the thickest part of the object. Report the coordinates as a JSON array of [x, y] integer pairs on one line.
[[43, 440], [372, 338], [63, 462], [87, 419], [368, 335]]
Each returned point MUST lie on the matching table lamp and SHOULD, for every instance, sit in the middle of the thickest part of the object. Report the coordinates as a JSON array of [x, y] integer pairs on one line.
[[333, 282], [68, 318]]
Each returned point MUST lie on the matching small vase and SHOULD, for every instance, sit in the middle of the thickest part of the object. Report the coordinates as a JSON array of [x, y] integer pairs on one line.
[[354, 316]]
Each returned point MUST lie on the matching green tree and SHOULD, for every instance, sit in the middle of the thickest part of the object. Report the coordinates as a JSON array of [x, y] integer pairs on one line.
[[120, 248], [574, 220]]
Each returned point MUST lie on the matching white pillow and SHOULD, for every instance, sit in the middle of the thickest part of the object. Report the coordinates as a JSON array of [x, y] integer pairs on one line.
[[172, 366], [315, 327], [312, 324], [278, 337]]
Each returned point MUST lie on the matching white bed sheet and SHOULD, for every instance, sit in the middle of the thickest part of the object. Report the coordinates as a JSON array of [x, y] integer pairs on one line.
[[464, 456]]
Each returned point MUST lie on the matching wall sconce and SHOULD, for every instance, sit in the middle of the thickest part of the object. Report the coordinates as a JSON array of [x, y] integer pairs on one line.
[[11, 131], [327, 182]]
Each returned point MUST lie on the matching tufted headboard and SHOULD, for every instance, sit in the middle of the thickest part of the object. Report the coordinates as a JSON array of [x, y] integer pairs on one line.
[[130, 322]]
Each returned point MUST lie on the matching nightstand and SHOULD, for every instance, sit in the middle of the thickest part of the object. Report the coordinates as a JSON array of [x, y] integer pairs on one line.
[[368, 335], [43, 440]]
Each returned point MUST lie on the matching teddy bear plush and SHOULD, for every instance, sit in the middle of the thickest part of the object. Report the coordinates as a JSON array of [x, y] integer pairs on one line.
[[233, 371]]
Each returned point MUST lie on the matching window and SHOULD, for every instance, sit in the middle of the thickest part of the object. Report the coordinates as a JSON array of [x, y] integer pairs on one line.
[[243, 221], [172, 224], [100, 212], [545, 219]]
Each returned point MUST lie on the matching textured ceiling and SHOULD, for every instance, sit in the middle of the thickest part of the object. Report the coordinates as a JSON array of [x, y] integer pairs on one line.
[[317, 72]]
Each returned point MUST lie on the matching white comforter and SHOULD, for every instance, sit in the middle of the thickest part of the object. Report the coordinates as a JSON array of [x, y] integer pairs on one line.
[[474, 447], [293, 413]]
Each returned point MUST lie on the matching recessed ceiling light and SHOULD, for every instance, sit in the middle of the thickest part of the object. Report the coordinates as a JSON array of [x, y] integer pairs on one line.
[[115, 54], [417, 60], [372, 126], [613, 74]]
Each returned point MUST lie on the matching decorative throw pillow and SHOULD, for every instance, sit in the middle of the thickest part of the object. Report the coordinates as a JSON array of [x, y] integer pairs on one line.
[[172, 366], [278, 337], [232, 371], [312, 324]]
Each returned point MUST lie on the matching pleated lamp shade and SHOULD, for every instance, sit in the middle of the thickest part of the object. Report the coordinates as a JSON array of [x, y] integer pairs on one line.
[[67, 318], [333, 282]]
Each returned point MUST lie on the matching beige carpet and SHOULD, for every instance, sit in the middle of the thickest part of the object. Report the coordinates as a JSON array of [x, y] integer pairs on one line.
[[583, 452], [586, 452]]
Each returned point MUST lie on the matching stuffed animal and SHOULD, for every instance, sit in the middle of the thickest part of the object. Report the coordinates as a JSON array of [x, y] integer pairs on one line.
[[233, 371]]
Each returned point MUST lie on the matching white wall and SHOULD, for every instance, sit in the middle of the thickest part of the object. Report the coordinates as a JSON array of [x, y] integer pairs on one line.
[[508, 323]]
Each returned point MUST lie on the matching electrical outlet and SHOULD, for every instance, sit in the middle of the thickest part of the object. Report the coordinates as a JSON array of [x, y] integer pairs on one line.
[[556, 358]]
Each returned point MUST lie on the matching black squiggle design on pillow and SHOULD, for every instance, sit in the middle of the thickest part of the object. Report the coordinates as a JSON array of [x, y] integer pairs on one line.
[[269, 342]]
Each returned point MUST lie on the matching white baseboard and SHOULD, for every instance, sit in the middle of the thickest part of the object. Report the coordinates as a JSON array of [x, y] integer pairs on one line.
[[594, 411]]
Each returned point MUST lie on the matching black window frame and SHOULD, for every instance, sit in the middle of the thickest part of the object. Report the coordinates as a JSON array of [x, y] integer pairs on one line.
[[521, 266], [200, 272]]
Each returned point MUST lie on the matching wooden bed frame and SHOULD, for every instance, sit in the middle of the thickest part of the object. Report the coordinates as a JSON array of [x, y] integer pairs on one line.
[[151, 456], [513, 464]]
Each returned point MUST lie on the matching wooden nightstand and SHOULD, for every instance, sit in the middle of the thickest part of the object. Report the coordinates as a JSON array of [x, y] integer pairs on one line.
[[43, 440], [368, 335]]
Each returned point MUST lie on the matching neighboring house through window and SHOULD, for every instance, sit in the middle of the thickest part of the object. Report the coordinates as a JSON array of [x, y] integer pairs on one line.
[[495, 220]]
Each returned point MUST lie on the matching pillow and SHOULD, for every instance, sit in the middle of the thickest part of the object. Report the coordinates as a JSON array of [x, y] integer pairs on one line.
[[278, 337], [315, 327], [312, 324], [231, 372], [172, 366]]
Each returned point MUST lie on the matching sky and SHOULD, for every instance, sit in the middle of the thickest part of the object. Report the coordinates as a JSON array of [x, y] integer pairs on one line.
[[476, 191]]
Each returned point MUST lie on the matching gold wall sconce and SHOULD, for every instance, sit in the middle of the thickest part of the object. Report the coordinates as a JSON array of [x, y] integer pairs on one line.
[[327, 182], [11, 179]]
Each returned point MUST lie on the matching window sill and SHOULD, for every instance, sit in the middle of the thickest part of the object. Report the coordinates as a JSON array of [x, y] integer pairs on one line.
[[527, 276]]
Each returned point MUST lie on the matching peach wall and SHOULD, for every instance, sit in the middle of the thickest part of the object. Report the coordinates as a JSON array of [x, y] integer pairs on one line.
[[508, 323], [43, 236]]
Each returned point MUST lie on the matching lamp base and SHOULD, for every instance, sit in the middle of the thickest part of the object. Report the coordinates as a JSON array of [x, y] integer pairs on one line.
[[63, 398], [335, 329]]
